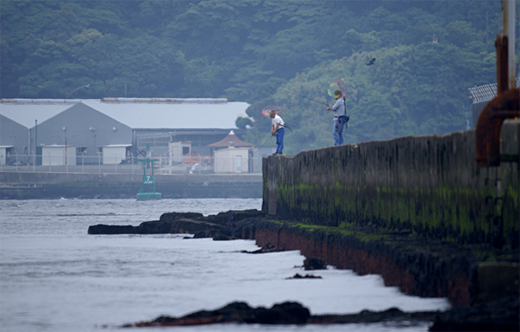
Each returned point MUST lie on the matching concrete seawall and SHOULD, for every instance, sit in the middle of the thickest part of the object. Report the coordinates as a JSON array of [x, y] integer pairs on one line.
[[29, 185], [428, 185], [417, 268], [416, 210]]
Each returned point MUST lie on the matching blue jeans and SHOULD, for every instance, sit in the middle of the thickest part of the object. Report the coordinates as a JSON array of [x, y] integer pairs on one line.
[[337, 131], [279, 140]]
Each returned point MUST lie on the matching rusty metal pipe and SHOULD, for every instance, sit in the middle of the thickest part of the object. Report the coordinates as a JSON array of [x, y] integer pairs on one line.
[[505, 105], [501, 45]]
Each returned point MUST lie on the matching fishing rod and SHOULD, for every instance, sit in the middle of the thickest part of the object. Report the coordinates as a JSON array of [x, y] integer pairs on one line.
[[265, 141], [317, 102], [261, 146], [255, 151]]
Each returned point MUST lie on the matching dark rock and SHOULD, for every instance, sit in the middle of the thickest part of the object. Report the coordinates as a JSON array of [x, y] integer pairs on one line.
[[284, 313], [368, 316], [499, 315], [238, 312], [172, 216], [307, 276], [219, 227], [221, 237], [201, 235], [265, 249], [112, 229], [155, 227], [314, 264]]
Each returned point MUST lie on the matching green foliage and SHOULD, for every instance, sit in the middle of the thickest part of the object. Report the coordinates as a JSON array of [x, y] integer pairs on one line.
[[264, 52], [242, 122]]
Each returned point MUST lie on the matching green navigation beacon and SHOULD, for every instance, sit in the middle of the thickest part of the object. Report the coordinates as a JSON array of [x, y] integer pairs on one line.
[[147, 190]]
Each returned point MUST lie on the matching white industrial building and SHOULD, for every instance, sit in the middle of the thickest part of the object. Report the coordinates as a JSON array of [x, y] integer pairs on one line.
[[111, 130]]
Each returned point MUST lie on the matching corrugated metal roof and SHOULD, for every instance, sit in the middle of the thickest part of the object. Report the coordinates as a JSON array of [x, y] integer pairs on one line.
[[25, 114], [230, 140], [138, 115], [117, 100]]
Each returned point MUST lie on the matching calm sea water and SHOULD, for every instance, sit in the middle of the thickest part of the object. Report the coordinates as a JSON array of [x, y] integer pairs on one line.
[[56, 277]]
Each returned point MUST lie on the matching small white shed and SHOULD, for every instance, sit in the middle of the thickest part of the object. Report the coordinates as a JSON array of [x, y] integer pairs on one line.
[[116, 153], [231, 160], [5, 153], [177, 150], [58, 155]]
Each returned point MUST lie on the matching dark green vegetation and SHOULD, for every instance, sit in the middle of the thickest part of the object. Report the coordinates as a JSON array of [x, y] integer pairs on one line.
[[262, 52], [451, 214]]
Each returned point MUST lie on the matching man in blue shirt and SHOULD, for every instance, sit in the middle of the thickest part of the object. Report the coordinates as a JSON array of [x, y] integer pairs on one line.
[[340, 117]]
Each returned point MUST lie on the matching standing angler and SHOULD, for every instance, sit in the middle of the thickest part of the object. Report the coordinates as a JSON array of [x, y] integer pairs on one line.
[[340, 117], [277, 128]]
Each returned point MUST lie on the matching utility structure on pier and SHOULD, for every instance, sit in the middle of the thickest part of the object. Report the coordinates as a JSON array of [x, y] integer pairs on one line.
[[506, 104], [488, 149]]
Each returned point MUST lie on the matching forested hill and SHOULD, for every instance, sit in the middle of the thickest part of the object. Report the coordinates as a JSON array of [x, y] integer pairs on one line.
[[264, 53]]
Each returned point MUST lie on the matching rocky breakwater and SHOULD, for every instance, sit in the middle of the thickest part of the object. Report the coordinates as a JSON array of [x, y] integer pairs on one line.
[[495, 316], [417, 265], [465, 274], [223, 226]]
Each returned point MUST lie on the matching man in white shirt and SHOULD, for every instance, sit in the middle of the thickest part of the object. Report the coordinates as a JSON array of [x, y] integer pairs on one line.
[[277, 128]]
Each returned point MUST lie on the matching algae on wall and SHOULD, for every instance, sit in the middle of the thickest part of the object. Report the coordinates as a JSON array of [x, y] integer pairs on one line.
[[429, 185]]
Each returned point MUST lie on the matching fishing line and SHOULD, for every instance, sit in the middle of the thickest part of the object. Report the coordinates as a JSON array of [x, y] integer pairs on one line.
[[263, 144], [313, 100], [254, 152]]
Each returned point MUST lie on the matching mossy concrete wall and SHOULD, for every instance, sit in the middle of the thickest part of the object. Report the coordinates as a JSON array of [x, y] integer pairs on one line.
[[428, 185]]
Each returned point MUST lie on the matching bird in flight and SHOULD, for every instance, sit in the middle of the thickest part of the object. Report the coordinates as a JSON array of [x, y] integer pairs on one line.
[[371, 62]]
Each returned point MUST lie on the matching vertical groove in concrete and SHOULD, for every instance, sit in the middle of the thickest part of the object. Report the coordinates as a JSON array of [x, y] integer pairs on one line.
[[429, 185]]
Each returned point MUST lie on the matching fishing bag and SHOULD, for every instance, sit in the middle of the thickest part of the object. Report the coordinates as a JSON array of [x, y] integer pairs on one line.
[[344, 118]]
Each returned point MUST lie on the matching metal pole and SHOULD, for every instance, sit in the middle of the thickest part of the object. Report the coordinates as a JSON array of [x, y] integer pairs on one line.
[[35, 140], [508, 22], [66, 162], [30, 151], [505, 45]]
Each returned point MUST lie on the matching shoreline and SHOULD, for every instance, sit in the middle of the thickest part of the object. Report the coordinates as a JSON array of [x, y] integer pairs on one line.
[[492, 316], [418, 266]]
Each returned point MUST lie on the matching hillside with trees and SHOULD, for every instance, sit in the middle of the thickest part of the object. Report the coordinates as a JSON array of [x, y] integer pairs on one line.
[[283, 53]]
